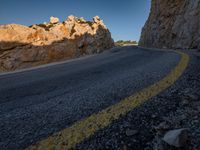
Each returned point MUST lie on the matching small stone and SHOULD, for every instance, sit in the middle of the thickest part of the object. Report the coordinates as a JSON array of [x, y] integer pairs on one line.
[[124, 147], [185, 102], [192, 97], [187, 90], [162, 126], [153, 116], [130, 132], [177, 138], [158, 144], [196, 121]]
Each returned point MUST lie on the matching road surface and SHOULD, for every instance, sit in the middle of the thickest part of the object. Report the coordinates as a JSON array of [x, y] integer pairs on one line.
[[37, 103]]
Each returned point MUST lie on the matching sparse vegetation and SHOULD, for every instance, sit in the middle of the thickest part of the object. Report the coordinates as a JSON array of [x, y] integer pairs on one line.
[[122, 43], [82, 20]]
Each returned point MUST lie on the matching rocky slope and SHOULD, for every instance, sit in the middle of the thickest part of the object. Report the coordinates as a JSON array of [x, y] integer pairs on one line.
[[22, 46], [172, 24]]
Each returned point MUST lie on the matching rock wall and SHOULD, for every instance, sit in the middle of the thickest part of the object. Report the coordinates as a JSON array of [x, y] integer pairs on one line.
[[172, 24], [22, 46]]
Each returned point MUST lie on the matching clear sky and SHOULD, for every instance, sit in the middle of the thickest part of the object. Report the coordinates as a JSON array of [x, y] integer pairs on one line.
[[124, 18]]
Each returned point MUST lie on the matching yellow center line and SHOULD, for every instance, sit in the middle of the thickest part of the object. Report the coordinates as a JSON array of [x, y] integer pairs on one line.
[[81, 130]]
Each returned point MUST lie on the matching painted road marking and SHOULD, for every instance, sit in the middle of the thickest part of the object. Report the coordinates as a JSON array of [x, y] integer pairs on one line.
[[73, 135]]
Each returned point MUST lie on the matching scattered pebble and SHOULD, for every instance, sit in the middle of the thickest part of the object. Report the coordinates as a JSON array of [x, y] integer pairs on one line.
[[162, 126], [130, 132]]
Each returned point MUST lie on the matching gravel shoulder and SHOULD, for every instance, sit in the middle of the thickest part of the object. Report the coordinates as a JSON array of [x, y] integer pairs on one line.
[[38, 103], [144, 128]]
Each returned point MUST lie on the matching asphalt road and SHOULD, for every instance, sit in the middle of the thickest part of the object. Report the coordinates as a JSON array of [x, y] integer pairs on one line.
[[37, 103]]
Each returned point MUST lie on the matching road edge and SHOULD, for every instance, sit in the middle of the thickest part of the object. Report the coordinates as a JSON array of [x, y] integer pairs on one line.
[[81, 130]]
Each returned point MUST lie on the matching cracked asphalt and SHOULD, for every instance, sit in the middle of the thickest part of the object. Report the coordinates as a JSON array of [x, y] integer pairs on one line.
[[36, 103]]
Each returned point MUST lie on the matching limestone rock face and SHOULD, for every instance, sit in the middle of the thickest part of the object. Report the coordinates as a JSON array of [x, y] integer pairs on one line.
[[172, 24], [22, 46]]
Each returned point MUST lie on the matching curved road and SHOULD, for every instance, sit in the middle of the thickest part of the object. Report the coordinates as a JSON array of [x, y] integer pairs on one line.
[[36, 103]]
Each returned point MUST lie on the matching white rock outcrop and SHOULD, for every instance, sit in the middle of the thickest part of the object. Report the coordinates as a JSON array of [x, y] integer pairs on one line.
[[22, 46], [54, 20]]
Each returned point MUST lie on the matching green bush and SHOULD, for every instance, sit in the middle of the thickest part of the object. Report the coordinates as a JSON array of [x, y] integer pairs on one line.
[[82, 20]]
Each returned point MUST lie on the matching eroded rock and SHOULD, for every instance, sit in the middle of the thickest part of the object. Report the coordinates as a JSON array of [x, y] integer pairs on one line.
[[22, 46], [172, 24]]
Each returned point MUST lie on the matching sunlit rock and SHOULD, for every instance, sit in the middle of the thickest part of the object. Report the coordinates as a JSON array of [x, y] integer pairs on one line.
[[22, 46]]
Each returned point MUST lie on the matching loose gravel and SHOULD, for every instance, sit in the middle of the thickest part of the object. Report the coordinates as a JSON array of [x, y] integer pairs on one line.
[[144, 128]]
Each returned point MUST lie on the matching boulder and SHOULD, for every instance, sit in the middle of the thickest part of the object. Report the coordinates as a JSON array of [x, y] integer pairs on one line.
[[96, 19], [177, 138], [54, 20]]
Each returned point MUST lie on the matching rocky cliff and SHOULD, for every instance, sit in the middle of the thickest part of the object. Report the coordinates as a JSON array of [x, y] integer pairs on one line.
[[22, 46], [172, 24]]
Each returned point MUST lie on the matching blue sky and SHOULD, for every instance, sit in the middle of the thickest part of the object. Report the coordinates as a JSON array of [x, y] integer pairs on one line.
[[124, 18]]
